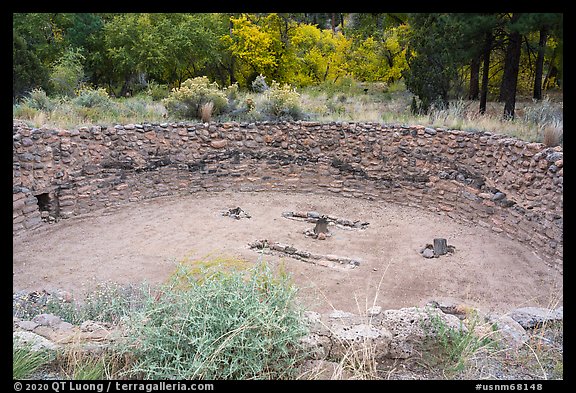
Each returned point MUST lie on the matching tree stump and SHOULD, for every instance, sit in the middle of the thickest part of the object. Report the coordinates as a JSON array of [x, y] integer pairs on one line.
[[321, 226], [440, 246]]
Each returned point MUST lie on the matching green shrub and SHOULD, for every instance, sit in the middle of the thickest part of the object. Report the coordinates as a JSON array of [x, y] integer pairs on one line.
[[109, 302], [89, 97], [282, 102], [157, 91], [24, 111], [345, 85], [259, 84], [454, 348], [67, 73], [219, 325], [185, 102], [37, 99], [135, 107], [232, 91], [543, 112]]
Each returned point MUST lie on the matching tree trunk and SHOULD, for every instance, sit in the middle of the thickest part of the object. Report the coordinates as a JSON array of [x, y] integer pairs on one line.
[[540, 63], [552, 70], [474, 87], [333, 23], [511, 67], [125, 86], [485, 71]]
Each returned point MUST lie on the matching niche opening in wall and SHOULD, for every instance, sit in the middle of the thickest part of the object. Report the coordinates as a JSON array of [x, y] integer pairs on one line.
[[44, 203], [48, 206]]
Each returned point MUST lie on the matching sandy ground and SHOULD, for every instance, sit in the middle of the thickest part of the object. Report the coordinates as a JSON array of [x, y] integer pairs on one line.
[[143, 242]]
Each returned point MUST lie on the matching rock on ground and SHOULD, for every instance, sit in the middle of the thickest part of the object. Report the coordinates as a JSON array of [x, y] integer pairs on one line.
[[531, 317]]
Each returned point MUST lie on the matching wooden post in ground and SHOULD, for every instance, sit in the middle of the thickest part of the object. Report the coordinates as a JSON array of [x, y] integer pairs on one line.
[[440, 247], [321, 226]]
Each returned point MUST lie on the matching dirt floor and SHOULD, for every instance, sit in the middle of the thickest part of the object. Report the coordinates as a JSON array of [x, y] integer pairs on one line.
[[144, 241]]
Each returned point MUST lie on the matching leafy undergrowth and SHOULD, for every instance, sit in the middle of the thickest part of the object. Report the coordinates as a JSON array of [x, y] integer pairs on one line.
[[540, 121], [206, 322], [222, 318], [228, 325]]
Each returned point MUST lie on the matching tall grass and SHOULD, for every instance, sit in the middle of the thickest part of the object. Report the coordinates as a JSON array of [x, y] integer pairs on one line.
[[206, 110], [359, 358], [90, 108], [26, 361], [77, 364], [453, 349], [553, 133], [543, 354]]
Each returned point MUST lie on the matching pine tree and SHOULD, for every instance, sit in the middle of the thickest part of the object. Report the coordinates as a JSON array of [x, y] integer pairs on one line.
[[433, 64]]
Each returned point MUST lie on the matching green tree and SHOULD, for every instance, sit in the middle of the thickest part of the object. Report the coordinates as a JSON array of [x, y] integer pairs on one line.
[[554, 61], [432, 64], [474, 51], [519, 28], [135, 48], [37, 44], [193, 47], [379, 51], [547, 26], [27, 69], [511, 66], [86, 32], [380, 59], [67, 73], [43, 34], [319, 55]]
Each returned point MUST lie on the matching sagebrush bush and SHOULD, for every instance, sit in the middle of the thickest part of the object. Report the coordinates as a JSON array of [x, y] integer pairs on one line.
[[185, 102], [38, 99], [221, 325], [232, 91], [23, 111], [259, 84], [282, 102], [89, 97], [543, 112]]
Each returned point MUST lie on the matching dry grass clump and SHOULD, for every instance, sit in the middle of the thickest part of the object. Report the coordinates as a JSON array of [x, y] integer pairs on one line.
[[205, 111], [552, 134]]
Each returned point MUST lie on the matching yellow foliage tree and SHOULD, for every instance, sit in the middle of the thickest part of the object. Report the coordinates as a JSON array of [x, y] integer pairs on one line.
[[320, 54], [380, 61], [253, 45]]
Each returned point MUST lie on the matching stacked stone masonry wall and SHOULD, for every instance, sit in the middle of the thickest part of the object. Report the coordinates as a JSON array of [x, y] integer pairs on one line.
[[512, 187]]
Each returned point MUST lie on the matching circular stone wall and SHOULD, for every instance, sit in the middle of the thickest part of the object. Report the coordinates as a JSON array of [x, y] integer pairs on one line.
[[509, 186], [505, 192]]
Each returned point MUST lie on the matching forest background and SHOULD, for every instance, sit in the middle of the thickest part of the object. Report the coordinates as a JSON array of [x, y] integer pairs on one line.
[[442, 65]]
